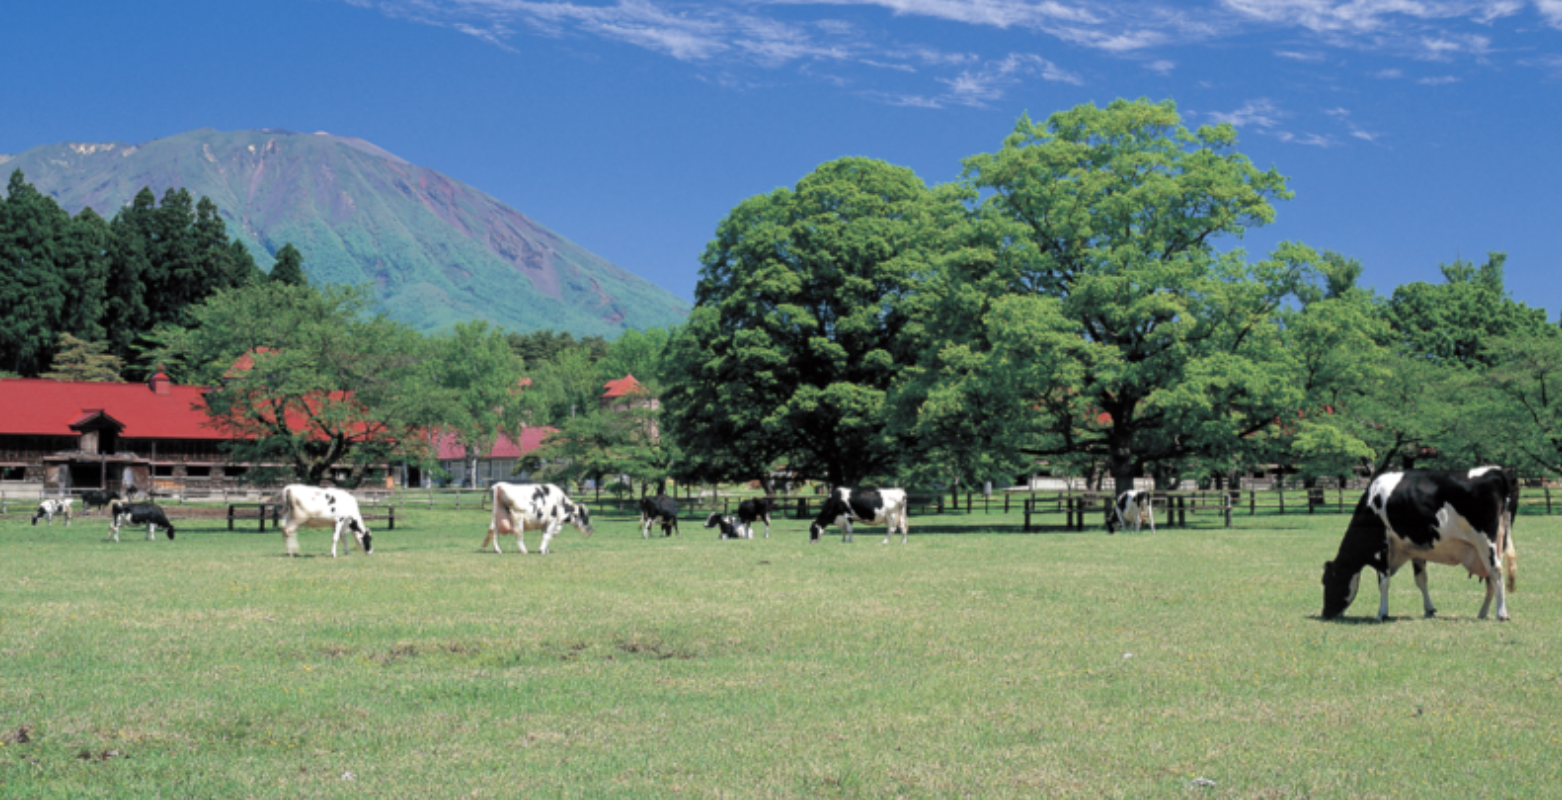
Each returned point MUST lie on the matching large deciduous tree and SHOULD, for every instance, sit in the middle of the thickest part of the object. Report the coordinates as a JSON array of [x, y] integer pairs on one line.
[[1093, 316], [798, 326], [320, 385], [471, 387]]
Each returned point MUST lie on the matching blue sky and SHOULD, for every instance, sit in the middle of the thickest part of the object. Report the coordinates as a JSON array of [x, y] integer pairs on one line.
[[1413, 131]]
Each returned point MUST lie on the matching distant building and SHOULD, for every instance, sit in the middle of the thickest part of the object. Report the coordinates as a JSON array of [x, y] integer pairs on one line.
[[498, 464], [626, 393], [122, 436]]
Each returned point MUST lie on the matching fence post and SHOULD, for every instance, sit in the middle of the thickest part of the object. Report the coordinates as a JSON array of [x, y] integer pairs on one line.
[[1005, 504], [1027, 514], [1229, 500], [802, 508], [230, 516], [1068, 519], [1548, 500], [1182, 513], [1252, 502], [392, 524], [1281, 493]]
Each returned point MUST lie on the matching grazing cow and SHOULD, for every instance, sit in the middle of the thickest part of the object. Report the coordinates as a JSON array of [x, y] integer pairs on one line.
[[97, 497], [1135, 505], [521, 507], [316, 507], [758, 508], [1460, 518], [865, 505], [149, 514], [662, 510], [731, 527], [48, 508]]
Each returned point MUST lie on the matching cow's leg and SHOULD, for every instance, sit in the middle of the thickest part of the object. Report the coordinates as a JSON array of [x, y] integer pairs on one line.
[[336, 536], [767, 526], [846, 531], [1383, 595], [547, 536], [290, 537], [1149, 511], [1494, 586], [1419, 567], [151, 531], [115, 529], [645, 527], [905, 524]]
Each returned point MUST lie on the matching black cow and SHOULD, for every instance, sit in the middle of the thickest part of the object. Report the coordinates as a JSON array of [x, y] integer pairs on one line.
[[1458, 517], [100, 498], [149, 514], [751, 511], [731, 527], [865, 505], [662, 510]]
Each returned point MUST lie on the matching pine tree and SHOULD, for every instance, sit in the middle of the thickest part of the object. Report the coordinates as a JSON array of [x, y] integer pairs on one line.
[[289, 268], [79, 360]]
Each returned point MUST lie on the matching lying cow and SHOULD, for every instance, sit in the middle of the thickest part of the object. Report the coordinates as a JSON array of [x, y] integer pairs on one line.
[[521, 507], [316, 507], [659, 510], [149, 514], [729, 527], [1449, 517], [48, 508], [750, 511], [1135, 505], [97, 497], [865, 505]]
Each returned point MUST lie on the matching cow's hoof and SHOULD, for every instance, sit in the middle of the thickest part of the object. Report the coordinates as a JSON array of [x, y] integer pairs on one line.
[[1431, 612]]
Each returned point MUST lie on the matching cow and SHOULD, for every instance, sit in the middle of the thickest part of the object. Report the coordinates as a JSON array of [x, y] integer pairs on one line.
[[866, 505], [758, 508], [48, 508], [97, 497], [730, 527], [1459, 518], [660, 509], [149, 514], [317, 507], [1135, 505], [521, 507]]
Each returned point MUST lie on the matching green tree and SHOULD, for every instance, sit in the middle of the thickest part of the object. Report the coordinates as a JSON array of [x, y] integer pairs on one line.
[[33, 290], [472, 386], [289, 266], [327, 385], [1524, 419], [79, 360], [1452, 322], [798, 326], [1094, 316]]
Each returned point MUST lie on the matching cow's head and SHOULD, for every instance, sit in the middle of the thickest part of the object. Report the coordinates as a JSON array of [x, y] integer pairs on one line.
[[578, 515], [360, 530], [1339, 589], [815, 531]]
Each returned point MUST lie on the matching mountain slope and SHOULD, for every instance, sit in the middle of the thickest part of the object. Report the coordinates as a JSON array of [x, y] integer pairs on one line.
[[436, 250]]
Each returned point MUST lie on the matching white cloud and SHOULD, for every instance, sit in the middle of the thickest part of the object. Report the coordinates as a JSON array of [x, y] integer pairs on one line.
[[1162, 66], [1310, 139], [1551, 10], [1440, 80], [1259, 113], [1295, 55], [1367, 16], [987, 83], [1389, 73]]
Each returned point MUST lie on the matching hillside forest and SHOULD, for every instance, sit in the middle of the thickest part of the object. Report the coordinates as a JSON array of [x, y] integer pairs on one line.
[[1076, 302]]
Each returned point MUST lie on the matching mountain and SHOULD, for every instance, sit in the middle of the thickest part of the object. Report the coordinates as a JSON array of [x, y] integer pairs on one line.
[[436, 250]]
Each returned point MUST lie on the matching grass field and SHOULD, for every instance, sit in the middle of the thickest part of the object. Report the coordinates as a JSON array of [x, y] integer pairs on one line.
[[974, 662]]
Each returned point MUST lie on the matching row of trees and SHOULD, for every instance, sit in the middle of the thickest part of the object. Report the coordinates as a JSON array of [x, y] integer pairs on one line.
[[1074, 299]]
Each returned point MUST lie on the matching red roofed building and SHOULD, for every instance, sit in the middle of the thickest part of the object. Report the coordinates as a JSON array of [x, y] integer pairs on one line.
[[626, 393], [498, 464], [73, 434]]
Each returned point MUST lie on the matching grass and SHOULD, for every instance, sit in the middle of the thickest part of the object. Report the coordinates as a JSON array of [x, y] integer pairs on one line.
[[974, 662]]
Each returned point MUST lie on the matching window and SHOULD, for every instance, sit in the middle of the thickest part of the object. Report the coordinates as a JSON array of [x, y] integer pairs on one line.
[[197, 473], [234, 472], [12, 473], [162, 470]]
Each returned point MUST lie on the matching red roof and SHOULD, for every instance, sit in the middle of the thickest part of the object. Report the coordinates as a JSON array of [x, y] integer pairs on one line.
[[450, 448], [39, 407], [623, 387]]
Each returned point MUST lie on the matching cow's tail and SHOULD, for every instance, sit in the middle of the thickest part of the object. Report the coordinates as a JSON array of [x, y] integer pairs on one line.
[[1510, 561]]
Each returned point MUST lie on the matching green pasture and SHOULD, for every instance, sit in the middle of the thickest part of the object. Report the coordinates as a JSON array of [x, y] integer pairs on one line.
[[976, 661]]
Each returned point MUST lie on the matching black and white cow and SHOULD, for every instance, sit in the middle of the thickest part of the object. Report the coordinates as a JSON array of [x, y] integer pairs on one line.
[[758, 508], [1135, 505], [1459, 518], [730, 527], [97, 497], [48, 508], [521, 507], [865, 505], [318, 507], [659, 510], [149, 514]]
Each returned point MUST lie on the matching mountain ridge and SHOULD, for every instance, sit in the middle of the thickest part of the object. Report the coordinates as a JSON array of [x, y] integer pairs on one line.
[[435, 250]]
